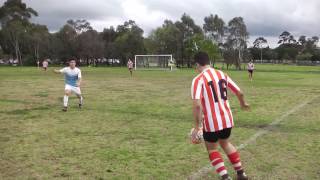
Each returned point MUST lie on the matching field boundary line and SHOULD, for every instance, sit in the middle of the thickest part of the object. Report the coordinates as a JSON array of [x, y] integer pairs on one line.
[[206, 169]]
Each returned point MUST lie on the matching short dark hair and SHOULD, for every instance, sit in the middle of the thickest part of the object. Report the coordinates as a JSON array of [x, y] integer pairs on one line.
[[72, 60], [201, 58]]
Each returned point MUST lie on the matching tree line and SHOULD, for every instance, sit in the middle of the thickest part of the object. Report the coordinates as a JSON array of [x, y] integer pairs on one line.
[[227, 42]]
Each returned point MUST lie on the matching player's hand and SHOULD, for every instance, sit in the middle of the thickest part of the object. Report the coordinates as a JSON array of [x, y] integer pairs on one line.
[[245, 107], [78, 84], [196, 135]]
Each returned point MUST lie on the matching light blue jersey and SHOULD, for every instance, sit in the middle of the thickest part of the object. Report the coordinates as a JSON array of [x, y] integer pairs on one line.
[[71, 76]]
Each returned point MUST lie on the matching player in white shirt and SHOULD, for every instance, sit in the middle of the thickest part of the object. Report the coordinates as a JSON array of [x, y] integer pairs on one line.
[[45, 65], [130, 66], [250, 70], [73, 77]]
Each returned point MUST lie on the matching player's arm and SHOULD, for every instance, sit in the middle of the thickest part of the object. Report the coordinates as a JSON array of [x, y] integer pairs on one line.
[[236, 90], [197, 114], [196, 89], [243, 104], [79, 82], [79, 79], [56, 71], [59, 71]]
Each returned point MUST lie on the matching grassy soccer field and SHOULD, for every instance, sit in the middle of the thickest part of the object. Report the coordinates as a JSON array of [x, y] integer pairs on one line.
[[136, 128]]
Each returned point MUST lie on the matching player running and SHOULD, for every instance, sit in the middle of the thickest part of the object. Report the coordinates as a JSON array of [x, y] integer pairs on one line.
[[250, 70], [73, 78], [130, 66], [209, 95], [45, 64]]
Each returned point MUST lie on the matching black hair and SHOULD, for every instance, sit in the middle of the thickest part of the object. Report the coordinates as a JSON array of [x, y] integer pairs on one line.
[[201, 58]]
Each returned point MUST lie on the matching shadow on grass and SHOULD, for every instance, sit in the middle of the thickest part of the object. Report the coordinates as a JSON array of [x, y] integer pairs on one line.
[[27, 110], [41, 94], [13, 101]]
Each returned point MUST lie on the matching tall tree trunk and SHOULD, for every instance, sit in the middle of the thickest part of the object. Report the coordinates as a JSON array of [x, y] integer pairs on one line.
[[16, 51], [261, 54], [239, 60]]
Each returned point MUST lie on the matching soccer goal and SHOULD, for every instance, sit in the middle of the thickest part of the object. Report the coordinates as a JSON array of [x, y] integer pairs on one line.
[[154, 62]]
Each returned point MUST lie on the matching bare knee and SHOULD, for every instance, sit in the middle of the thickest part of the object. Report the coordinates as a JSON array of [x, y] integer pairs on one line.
[[67, 93]]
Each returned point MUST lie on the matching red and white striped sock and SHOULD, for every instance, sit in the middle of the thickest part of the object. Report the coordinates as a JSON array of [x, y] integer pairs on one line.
[[235, 161], [217, 163]]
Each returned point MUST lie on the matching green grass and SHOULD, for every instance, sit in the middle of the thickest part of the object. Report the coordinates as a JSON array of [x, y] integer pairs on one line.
[[136, 128]]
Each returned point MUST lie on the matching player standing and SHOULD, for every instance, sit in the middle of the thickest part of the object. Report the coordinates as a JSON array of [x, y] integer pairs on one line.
[[45, 65], [250, 70], [209, 94], [38, 64], [130, 66], [73, 78]]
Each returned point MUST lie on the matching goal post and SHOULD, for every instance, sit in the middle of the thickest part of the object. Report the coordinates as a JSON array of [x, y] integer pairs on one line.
[[154, 62]]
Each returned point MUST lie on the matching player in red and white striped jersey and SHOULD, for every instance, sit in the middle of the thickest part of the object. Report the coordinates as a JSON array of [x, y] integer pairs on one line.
[[209, 94], [130, 66]]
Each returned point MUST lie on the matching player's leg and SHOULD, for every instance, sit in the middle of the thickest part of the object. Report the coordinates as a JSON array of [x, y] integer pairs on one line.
[[232, 153], [252, 75], [77, 91], [211, 142], [67, 93]]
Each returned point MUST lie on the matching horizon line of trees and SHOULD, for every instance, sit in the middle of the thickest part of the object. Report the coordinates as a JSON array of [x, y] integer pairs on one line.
[[227, 42]]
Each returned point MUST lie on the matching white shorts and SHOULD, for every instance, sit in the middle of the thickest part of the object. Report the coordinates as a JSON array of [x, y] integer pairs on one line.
[[73, 89]]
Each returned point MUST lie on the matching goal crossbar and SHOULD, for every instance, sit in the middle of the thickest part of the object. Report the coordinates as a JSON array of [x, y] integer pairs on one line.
[[170, 59]]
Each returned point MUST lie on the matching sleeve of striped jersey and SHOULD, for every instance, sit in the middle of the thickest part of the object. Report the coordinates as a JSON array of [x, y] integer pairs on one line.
[[232, 85], [196, 88]]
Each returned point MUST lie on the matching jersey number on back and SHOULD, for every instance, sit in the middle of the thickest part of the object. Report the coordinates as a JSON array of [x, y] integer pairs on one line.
[[222, 87]]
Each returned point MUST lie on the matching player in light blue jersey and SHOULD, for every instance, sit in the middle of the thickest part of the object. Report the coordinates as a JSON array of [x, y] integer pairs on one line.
[[72, 76]]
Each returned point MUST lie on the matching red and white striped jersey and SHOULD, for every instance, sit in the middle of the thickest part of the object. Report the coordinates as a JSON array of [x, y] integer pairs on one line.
[[210, 87], [130, 64]]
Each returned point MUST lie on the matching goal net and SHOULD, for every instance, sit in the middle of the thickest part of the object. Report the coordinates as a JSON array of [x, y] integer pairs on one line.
[[156, 62]]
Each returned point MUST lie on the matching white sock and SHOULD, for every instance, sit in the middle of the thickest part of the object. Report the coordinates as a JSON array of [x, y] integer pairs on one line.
[[81, 99], [65, 100]]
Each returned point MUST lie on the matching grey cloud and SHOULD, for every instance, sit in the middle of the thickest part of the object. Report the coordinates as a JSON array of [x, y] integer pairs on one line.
[[263, 17], [56, 13]]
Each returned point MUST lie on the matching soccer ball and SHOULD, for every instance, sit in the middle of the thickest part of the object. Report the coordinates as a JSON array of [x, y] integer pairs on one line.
[[196, 137]]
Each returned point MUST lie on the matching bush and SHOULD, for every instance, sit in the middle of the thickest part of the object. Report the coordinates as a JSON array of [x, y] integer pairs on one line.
[[304, 57], [29, 60]]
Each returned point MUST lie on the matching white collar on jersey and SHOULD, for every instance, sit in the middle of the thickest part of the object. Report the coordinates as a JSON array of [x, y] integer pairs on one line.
[[205, 69]]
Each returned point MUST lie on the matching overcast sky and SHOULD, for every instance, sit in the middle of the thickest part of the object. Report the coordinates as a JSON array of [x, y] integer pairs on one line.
[[266, 18]]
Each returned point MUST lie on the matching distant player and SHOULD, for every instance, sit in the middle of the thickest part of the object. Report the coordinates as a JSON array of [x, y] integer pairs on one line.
[[250, 70], [73, 78], [38, 64], [45, 64], [130, 66], [209, 95], [171, 64]]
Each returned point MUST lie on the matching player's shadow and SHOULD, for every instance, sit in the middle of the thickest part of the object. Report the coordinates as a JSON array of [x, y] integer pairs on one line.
[[26, 111]]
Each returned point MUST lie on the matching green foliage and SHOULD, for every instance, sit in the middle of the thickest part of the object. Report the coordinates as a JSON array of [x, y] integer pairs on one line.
[[200, 43], [304, 56], [287, 51]]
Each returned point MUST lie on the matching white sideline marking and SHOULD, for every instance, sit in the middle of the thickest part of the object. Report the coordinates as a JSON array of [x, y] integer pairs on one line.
[[206, 169]]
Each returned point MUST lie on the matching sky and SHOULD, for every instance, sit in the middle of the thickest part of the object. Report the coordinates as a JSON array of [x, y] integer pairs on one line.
[[267, 18]]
